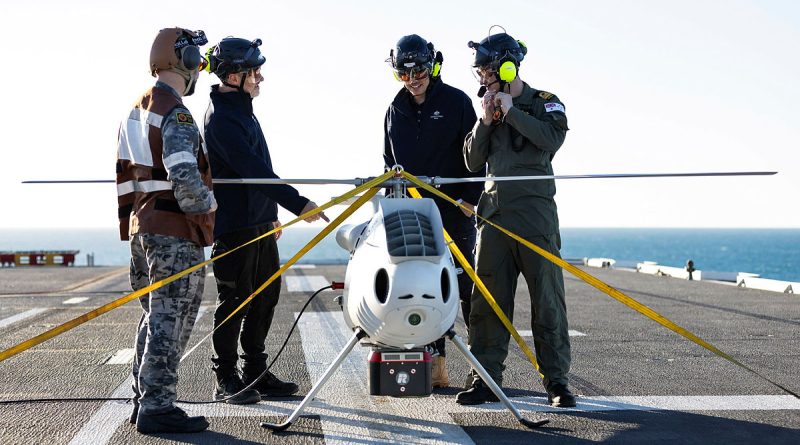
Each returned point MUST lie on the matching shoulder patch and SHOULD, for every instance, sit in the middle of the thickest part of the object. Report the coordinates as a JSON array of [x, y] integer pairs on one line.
[[553, 106], [184, 118], [545, 95]]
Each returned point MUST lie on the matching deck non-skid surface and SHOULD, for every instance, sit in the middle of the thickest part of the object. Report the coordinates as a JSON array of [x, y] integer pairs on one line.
[[637, 382]]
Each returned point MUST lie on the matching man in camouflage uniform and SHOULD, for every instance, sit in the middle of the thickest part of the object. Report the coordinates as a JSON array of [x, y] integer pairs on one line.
[[518, 135], [166, 209]]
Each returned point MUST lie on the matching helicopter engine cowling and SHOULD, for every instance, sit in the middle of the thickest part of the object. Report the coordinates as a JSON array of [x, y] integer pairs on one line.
[[401, 286]]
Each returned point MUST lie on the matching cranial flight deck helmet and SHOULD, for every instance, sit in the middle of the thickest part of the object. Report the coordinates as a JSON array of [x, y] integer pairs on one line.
[[501, 53], [234, 55], [177, 50], [413, 55]]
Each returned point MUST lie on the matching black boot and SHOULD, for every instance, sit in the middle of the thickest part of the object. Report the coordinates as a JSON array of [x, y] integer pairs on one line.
[[172, 421], [230, 384], [270, 385], [476, 394], [559, 395]]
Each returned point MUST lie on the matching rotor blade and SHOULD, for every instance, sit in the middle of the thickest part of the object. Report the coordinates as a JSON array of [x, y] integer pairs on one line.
[[356, 181], [434, 180], [595, 176], [71, 181]]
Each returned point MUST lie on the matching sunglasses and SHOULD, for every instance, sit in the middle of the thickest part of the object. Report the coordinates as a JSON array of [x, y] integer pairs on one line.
[[416, 73]]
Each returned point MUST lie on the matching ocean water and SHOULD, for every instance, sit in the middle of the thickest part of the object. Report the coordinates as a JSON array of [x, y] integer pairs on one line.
[[771, 253]]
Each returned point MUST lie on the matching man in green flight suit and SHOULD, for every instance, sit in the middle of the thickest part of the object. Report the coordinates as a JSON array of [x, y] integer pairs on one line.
[[518, 134]]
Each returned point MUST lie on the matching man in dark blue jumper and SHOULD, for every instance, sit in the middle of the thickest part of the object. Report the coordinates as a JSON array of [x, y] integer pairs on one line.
[[424, 131], [237, 149]]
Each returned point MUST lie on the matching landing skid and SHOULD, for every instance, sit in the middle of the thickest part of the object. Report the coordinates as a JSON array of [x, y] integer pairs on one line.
[[358, 335]]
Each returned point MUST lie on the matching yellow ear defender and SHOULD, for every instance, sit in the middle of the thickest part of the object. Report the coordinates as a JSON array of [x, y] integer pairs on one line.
[[436, 68], [208, 57], [437, 62], [507, 71]]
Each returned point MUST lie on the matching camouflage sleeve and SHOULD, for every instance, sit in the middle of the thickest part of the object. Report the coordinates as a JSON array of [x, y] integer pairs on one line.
[[181, 142]]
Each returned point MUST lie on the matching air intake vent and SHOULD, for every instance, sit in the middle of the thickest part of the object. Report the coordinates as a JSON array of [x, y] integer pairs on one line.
[[409, 233]]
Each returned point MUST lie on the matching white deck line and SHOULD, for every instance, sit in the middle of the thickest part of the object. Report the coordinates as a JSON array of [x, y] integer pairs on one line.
[[572, 333], [349, 415], [75, 300], [121, 357], [21, 316], [104, 423], [305, 283]]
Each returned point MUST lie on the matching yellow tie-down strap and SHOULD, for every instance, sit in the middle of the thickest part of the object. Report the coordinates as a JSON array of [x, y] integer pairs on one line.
[[597, 283], [322, 234], [47, 335], [486, 294]]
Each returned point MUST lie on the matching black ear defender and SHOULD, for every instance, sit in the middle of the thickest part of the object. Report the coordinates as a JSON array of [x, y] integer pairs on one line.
[[191, 57], [187, 48]]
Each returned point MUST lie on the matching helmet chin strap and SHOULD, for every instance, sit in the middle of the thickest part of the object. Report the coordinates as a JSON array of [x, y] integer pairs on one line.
[[240, 87], [188, 77]]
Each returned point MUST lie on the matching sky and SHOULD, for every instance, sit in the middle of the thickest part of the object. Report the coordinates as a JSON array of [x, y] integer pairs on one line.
[[678, 86]]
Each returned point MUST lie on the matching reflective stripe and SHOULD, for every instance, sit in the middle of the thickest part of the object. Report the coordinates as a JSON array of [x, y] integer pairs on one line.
[[143, 187], [134, 143], [180, 157]]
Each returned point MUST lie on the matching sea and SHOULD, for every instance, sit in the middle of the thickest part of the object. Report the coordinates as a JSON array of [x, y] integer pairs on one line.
[[770, 253]]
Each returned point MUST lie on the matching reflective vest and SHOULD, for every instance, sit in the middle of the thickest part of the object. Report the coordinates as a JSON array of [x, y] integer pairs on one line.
[[146, 201]]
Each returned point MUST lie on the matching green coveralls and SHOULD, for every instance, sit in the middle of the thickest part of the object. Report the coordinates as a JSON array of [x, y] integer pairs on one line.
[[524, 143]]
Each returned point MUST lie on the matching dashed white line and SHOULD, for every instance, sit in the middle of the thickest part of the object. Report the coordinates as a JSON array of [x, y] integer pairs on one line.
[[305, 283], [121, 357], [303, 266], [649, 403], [572, 333], [21, 316], [75, 300]]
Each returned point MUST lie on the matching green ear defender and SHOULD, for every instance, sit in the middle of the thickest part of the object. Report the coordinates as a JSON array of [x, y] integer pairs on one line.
[[507, 71]]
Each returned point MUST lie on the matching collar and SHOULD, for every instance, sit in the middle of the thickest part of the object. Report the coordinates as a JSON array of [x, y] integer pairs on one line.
[[164, 86], [527, 96], [238, 99]]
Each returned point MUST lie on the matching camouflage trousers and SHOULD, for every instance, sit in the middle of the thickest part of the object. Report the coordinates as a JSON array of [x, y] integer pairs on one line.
[[499, 262], [168, 315]]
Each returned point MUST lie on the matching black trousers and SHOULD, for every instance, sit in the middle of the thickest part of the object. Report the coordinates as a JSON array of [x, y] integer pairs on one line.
[[238, 275], [463, 233]]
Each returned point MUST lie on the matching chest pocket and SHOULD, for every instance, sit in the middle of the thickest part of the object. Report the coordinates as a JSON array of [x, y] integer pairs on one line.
[[518, 141]]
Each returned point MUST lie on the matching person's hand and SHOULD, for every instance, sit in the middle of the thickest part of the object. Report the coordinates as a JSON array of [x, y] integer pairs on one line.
[[311, 206], [275, 225], [504, 101], [471, 208], [213, 207], [488, 108]]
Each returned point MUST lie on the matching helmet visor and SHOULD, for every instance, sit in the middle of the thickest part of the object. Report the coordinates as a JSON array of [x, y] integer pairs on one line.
[[417, 73]]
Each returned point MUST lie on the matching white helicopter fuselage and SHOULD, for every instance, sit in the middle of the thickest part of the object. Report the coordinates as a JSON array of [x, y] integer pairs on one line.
[[400, 285]]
